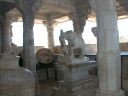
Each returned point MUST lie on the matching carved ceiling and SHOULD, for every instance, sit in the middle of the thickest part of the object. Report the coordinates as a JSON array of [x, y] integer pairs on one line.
[[122, 8], [62, 8], [56, 9], [5, 7]]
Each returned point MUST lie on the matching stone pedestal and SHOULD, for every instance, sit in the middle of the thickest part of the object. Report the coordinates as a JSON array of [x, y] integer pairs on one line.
[[15, 81], [77, 81]]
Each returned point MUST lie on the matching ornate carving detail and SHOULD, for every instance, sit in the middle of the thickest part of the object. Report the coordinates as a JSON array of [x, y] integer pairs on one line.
[[80, 15], [7, 35]]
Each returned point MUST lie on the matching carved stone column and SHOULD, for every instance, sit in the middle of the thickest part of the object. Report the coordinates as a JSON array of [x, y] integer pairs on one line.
[[28, 9], [11, 75], [80, 15], [78, 22], [6, 35], [28, 42], [109, 65], [50, 29], [7, 55]]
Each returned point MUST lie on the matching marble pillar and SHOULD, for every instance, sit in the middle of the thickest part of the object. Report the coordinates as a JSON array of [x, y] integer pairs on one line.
[[6, 44], [6, 35], [28, 9], [109, 62], [28, 41], [50, 29], [7, 54]]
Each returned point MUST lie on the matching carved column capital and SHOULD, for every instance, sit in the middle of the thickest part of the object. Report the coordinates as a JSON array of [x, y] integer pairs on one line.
[[50, 23], [81, 12], [79, 21]]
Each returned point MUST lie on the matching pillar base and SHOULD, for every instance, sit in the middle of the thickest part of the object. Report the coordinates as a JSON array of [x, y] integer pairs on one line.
[[110, 93]]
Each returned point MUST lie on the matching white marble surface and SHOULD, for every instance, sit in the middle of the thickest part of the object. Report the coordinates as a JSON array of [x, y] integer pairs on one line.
[[109, 61]]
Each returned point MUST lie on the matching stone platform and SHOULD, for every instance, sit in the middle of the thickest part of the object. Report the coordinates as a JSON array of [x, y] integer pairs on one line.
[[77, 81]]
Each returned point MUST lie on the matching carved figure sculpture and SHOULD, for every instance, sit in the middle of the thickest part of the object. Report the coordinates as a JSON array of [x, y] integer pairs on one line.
[[75, 41]]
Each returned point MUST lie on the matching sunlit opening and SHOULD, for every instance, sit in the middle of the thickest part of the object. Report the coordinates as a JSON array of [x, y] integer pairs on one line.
[[40, 33]]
